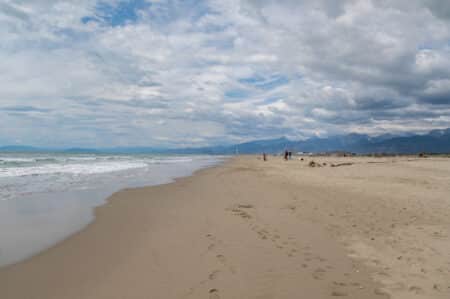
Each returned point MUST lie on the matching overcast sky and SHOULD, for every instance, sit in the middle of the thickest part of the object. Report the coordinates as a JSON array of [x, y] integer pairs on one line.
[[176, 73]]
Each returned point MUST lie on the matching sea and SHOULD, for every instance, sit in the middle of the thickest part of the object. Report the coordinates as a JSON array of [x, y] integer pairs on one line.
[[45, 197]]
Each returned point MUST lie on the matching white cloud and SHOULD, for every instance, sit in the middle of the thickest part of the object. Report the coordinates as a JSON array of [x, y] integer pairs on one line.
[[199, 72]]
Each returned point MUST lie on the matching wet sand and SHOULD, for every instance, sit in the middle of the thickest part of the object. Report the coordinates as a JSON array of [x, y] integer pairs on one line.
[[368, 228]]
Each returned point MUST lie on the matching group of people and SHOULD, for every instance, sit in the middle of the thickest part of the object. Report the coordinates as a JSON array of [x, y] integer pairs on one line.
[[287, 155]]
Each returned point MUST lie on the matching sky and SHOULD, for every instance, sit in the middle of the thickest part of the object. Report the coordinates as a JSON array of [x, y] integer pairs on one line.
[[176, 73]]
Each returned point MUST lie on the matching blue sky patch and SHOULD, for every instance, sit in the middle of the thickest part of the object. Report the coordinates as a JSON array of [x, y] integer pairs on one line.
[[266, 83], [117, 15], [270, 100], [236, 94]]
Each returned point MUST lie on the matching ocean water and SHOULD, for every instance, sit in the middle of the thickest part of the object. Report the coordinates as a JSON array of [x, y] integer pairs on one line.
[[46, 197]]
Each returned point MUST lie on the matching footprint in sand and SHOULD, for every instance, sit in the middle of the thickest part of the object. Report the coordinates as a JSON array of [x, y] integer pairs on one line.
[[338, 294], [221, 258], [224, 262], [417, 290], [214, 294], [341, 284], [319, 273], [239, 212], [380, 292], [320, 259], [292, 252], [245, 206], [262, 234], [213, 275]]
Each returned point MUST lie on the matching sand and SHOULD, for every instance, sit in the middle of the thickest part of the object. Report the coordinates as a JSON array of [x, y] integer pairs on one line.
[[369, 228]]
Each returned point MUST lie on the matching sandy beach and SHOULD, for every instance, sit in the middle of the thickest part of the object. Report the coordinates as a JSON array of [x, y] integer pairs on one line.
[[365, 228]]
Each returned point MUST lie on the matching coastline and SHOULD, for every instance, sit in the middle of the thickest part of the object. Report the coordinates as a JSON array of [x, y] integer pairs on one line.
[[107, 201], [242, 229], [47, 212]]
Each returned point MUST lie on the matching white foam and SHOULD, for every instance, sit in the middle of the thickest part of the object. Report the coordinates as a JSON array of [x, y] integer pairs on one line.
[[83, 158], [170, 160], [13, 159], [38, 173], [76, 168]]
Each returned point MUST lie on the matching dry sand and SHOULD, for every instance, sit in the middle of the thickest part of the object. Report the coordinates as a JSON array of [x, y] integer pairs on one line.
[[253, 229]]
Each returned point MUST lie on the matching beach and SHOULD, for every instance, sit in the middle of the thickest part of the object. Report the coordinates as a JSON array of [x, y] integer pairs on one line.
[[351, 227]]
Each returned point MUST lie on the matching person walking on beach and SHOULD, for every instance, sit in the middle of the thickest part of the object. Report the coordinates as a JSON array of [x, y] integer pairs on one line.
[[264, 157], [286, 155]]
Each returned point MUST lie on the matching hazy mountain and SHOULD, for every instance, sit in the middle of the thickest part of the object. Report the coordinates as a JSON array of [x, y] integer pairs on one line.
[[436, 141], [76, 150], [18, 148]]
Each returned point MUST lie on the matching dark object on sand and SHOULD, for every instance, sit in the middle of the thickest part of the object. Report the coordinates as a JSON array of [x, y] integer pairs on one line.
[[422, 155], [286, 154], [302, 159], [314, 164], [341, 164], [264, 157]]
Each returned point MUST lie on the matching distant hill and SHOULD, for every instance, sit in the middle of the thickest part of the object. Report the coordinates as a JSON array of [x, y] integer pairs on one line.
[[18, 148], [436, 141], [77, 150]]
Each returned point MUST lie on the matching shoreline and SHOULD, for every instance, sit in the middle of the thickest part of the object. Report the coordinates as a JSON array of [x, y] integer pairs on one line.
[[241, 229], [104, 201]]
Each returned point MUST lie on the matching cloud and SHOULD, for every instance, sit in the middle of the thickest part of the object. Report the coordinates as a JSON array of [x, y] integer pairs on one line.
[[176, 73], [439, 8]]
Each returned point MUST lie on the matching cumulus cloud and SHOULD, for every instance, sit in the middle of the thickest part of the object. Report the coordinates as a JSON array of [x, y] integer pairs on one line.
[[192, 73]]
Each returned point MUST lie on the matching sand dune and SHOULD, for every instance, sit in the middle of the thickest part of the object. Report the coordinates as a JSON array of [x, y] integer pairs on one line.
[[370, 228]]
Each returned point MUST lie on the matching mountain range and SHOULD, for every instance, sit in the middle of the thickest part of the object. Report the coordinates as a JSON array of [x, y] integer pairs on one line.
[[435, 141]]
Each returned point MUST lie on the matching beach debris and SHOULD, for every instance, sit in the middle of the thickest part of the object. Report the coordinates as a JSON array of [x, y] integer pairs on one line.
[[341, 164], [314, 164]]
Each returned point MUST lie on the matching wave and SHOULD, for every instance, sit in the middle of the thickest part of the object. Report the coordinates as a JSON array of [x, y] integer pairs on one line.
[[16, 167], [74, 169], [170, 160], [9, 160]]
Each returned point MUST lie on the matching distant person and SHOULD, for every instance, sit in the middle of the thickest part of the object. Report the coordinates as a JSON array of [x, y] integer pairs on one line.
[[290, 155], [264, 157], [286, 155]]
